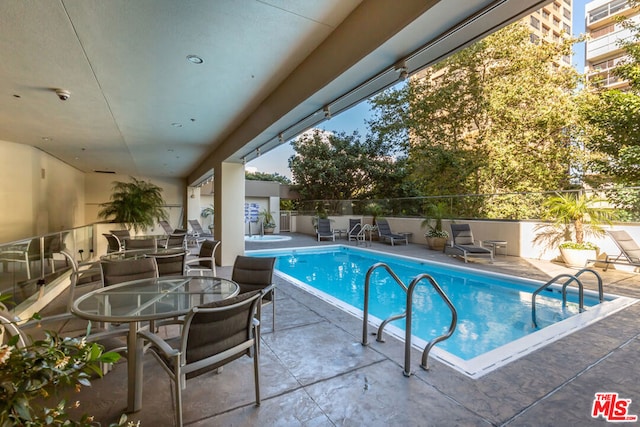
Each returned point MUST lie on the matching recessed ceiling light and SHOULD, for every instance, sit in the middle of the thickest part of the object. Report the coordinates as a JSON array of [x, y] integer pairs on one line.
[[47, 138], [176, 125], [195, 59]]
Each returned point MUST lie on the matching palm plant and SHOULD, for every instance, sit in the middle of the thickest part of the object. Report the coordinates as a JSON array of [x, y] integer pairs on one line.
[[138, 204], [585, 214], [433, 220]]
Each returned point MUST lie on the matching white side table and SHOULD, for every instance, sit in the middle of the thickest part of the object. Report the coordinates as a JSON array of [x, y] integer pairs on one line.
[[495, 244]]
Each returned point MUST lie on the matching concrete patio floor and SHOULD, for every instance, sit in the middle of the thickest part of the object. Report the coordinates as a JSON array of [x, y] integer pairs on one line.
[[315, 372]]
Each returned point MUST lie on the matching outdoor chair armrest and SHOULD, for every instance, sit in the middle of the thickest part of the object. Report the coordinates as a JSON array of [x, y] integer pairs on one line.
[[159, 343]]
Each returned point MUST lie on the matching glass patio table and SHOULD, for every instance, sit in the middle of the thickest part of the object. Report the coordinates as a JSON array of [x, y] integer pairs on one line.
[[148, 300]]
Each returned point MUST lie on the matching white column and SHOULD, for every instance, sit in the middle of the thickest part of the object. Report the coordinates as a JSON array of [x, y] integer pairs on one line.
[[229, 207]]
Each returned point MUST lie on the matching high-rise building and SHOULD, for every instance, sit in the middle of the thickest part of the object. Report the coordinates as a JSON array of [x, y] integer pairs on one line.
[[603, 51], [550, 23]]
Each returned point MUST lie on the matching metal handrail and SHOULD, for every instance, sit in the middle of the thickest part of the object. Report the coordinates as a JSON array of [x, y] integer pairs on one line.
[[571, 278], [600, 286], [436, 340], [407, 315], [365, 315]]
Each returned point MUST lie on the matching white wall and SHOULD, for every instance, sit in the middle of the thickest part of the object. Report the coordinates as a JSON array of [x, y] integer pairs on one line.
[[38, 193], [520, 235], [99, 188]]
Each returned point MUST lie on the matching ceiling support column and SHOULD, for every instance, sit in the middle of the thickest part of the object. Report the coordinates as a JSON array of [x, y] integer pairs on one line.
[[228, 202]]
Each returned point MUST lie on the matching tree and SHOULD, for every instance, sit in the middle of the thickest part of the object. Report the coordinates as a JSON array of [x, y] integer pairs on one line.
[[494, 118], [328, 166], [611, 129], [262, 176]]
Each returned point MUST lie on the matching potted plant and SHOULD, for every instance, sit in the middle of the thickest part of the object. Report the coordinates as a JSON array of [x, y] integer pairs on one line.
[[576, 216], [137, 204], [435, 235], [268, 223], [206, 213]]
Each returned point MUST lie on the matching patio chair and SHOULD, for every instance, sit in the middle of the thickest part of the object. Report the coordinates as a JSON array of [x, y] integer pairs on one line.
[[170, 265], [176, 240], [114, 272], [206, 259], [84, 277], [324, 230], [122, 235], [464, 245], [165, 226], [256, 273], [113, 243], [629, 250], [137, 244], [212, 336], [197, 229], [385, 233]]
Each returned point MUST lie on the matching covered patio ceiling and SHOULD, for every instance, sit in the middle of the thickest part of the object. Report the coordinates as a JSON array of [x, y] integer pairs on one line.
[[271, 68]]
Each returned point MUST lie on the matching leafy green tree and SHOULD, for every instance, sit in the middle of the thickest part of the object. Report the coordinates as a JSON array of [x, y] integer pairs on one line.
[[328, 166], [494, 118], [612, 129], [262, 176]]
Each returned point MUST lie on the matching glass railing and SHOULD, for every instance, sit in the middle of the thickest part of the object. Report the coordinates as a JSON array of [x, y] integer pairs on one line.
[[507, 206], [29, 266]]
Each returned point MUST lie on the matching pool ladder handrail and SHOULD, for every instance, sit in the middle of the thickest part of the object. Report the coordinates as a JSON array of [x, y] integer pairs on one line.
[[361, 236], [407, 315], [570, 278]]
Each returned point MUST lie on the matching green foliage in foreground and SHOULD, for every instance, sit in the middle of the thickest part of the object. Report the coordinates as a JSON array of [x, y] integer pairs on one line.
[[33, 377]]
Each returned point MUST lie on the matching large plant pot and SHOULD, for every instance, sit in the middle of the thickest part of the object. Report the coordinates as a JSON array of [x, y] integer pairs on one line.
[[577, 257], [436, 243]]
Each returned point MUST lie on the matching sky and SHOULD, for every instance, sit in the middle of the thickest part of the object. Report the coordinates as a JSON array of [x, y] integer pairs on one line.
[[276, 160]]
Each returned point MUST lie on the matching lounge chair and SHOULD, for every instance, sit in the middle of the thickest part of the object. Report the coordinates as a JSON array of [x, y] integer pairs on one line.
[[629, 250], [324, 230], [355, 226], [165, 226], [198, 233], [197, 229], [464, 245], [385, 233]]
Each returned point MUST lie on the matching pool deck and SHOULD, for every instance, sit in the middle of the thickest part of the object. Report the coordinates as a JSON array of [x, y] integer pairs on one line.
[[315, 372]]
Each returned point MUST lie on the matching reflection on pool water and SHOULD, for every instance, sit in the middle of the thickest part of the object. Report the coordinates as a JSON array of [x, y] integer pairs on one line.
[[267, 238], [494, 310]]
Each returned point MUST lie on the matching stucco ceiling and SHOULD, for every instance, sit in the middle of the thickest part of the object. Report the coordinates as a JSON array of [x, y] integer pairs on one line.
[[137, 106]]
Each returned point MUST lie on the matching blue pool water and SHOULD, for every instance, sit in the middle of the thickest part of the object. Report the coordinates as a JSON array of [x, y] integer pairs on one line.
[[493, 310]]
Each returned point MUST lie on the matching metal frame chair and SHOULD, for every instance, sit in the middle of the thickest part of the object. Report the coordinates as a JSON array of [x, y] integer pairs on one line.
[[324, 230], [206, 260], [212, 336], [256, 273], [463, 243]]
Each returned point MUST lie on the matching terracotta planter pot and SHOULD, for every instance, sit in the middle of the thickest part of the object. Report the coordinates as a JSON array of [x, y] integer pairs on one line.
[[436, 243]]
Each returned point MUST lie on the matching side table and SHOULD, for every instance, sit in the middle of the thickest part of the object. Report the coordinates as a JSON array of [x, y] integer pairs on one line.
[[495, 244]]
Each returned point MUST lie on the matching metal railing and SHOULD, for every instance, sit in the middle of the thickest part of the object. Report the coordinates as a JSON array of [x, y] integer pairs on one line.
[[570, 279], [29, 265], [499, 206], [407, 315]]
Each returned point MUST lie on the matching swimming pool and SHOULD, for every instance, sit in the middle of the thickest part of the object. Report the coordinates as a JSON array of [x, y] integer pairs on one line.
[[494, 311]]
